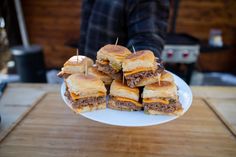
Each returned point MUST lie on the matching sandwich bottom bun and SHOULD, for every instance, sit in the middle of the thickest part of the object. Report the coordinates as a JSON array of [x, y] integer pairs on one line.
[[112, 105], [89, 108], [175, 113], [147, 81]]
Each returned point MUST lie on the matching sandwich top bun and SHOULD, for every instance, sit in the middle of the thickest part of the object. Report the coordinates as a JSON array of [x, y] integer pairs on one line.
[[164, 90], [83, 85], [115, 54], [73, 66], [141, 59], [119, 89], [167, 76], [102, 76]]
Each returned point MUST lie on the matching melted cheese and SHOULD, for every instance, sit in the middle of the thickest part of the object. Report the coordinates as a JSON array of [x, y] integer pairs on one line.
[[76, 96], [150, 100], [101, 94], [130, 100], [136, 71]]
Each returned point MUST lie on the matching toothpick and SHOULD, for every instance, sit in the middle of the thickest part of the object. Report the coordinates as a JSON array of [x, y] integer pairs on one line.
[[77, 54], [86, 68], [159, 79], [117, 39], [123, 79], [133, 49]]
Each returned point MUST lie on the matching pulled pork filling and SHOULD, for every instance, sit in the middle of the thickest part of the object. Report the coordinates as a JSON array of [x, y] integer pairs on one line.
[[167, 108], [107, 69], [125, 105], [134, 79], [82, 102]]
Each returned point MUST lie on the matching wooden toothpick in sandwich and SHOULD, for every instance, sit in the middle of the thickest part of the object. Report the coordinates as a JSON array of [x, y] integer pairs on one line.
[[117, 39], [86, 68], [133, 49], [77, 54], [159, 74], [159, 79], [123, 79]]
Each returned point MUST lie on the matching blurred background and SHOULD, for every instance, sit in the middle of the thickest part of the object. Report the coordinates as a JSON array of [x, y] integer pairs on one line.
[[200, 45]]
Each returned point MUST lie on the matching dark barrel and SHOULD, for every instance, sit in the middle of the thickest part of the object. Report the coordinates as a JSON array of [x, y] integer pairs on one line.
[[30, 63]]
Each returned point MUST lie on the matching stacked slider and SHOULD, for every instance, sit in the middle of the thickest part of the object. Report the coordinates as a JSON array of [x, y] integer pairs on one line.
[[123, 97], [166, 76], [85, 93], [76, 64], [161, 98], [106, 79], [141, 68], [109, 60]]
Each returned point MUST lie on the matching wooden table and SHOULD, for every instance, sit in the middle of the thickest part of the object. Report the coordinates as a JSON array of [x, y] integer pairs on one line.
[[51, 129]]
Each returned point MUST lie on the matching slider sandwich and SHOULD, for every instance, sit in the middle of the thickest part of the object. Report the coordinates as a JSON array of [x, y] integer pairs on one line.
[[161, 99], [76, 64], [109, 60], [141, 68], [123, 97], [85, 92], [106, 79], [167, 76]]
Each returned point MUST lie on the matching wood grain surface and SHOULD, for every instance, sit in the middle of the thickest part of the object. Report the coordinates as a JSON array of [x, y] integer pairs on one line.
[[52, 129], [15, 103], [226, 110]]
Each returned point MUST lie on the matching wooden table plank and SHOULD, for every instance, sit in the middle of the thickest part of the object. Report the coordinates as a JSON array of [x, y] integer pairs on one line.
[[15, 103], [198, 91], [219, 92], [226, 110], [51, 129]]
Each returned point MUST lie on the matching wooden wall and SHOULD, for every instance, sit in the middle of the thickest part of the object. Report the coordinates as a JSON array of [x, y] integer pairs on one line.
[[51, 23], [197, 17]]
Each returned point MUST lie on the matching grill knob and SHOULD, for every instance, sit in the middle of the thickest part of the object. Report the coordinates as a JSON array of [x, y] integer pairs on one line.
[[170, 53], [185, 54]]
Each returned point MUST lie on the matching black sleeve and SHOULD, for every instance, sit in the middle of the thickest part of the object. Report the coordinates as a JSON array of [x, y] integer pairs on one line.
[[147, 24]]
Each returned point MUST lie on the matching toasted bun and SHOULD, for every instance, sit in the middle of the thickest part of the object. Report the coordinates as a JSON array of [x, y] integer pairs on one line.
[[102, 76], [121, 90], [115, 54], [147, 81], [140, 59], [165, 90], [167, 76], [175, 113], [89, 108], [72, 66], [83, 85]]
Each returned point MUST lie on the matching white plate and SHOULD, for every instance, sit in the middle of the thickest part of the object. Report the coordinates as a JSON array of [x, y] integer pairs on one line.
[[136, 118]]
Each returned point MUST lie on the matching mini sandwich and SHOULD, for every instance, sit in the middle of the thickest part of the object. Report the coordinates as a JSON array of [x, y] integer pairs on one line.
[[123, 97], [75, 65], [85, 93], [167, 76], [109, 60], [141, 68], [102, 76], [161, 99]]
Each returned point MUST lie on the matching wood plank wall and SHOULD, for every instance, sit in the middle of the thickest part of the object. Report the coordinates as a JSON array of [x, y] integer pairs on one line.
[[51, 23], [197, 17]]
